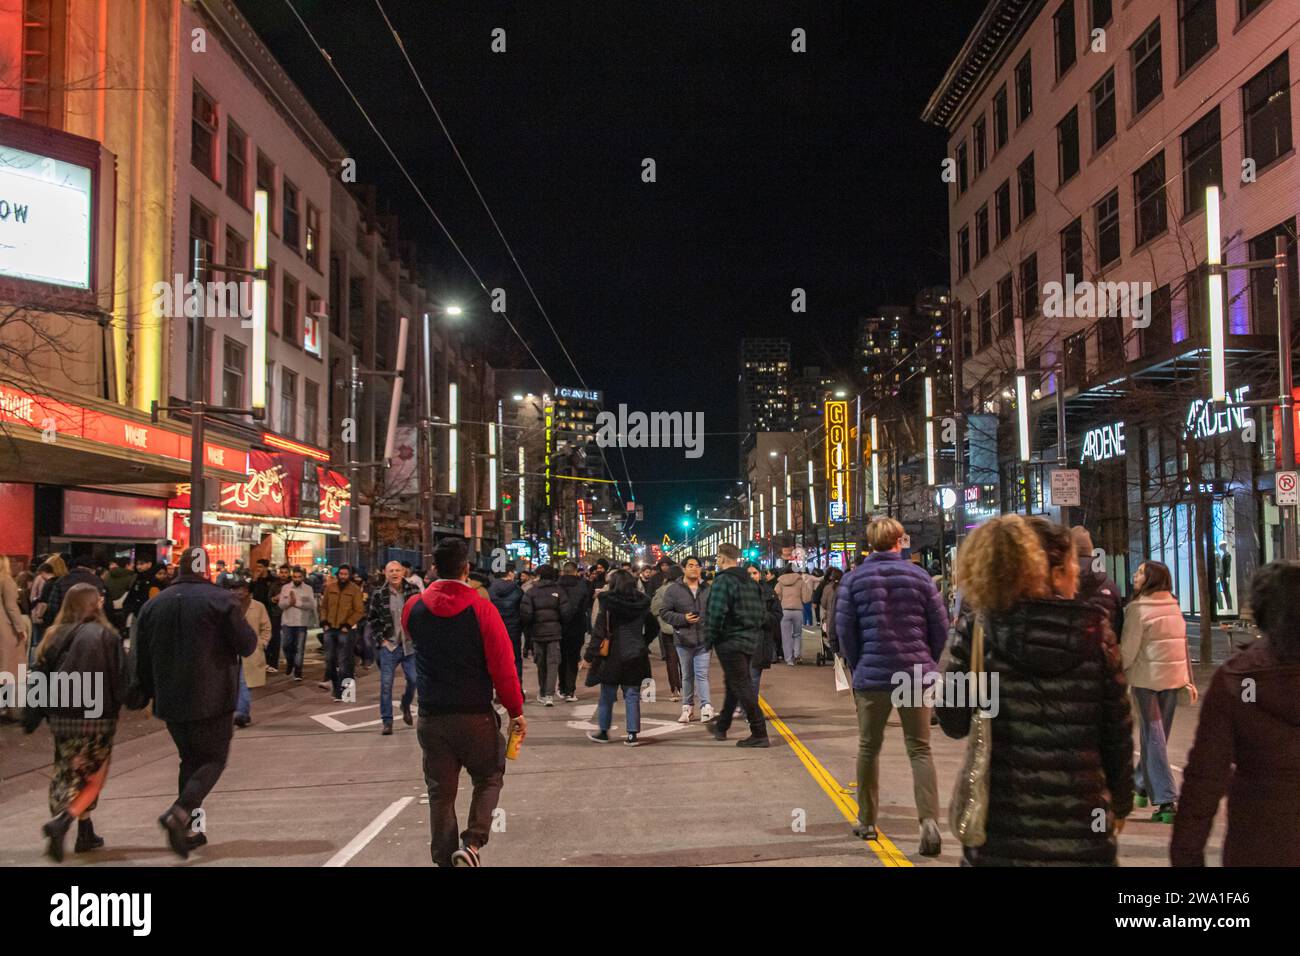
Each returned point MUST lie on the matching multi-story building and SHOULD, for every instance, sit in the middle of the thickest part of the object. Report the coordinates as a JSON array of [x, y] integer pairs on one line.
[[808, 393], [164, 119], [764, 385], [1083, 135]]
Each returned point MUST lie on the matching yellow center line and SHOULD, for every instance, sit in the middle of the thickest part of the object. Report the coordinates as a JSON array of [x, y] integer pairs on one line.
[[882, 846]]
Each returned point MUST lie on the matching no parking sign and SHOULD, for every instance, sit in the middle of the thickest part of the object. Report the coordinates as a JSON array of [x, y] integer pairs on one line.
[[1288, 493]]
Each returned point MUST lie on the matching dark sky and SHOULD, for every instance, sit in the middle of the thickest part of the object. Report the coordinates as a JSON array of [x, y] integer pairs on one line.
[[775, 170]]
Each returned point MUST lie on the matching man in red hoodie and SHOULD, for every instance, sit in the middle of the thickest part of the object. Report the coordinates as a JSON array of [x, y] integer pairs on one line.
[[462, 652]]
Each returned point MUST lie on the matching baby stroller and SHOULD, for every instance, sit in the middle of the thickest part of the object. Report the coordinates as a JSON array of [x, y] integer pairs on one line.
[[827, 653]]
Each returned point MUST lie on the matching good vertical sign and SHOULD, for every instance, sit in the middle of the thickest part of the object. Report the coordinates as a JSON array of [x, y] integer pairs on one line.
[[836, 417]]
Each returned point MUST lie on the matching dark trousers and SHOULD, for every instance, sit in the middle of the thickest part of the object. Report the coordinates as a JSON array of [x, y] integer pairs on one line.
[[570, 655], [203, 746], [736, 671], [451, 742], [673, 664], [547, 656], [273, 646], [340, 662], [517, 642]]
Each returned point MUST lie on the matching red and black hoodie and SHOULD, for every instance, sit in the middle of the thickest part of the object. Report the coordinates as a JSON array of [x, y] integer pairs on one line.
[[462, 651]]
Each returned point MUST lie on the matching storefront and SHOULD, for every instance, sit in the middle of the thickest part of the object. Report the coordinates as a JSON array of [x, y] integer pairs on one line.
[[287, 511]]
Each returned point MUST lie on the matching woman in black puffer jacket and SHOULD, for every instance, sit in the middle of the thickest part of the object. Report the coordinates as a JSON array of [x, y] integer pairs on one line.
[[619, 616], [1061, 774]]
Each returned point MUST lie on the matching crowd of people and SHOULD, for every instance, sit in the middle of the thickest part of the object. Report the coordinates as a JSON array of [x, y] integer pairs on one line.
[[1028, 606]]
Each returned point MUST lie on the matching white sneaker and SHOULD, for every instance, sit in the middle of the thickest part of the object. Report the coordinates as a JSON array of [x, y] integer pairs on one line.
[[549, 701], [685, 718], [272, 670], [706, 712]]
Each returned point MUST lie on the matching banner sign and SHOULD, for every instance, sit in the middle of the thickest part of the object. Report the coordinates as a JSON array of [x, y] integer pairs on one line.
[[93, 514]]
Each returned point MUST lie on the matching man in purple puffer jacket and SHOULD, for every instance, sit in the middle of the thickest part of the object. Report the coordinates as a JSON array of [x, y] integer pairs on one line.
[[892, 628]]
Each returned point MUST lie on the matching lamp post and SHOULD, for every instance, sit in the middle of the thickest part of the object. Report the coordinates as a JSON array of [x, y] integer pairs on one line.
[[198, 406]]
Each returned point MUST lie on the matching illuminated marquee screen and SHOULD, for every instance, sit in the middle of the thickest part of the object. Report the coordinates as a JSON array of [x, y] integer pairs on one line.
[[837, 459]]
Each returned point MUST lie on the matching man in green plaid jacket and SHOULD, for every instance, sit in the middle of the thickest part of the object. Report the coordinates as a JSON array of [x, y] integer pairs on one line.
[[733, 626]]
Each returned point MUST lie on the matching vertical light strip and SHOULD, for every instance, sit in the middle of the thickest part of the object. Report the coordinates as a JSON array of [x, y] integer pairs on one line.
[[453, 459], [492, 467], [875, 466], [774, 527], [789, 506], [751, 516], [812, 494], [762, 520], [1214, 256], [929, 431], [261, 224], [1022, 390]]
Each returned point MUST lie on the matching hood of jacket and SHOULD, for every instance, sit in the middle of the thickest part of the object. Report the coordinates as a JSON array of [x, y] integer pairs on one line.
[[790, 579], [625, 606], [1045, 636], [1275, 680], [500, 588], [447, 598]]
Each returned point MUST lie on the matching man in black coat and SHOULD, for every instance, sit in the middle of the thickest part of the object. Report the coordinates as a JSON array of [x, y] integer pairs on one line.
[[81, 572], [543, 612], [190, 639], [575, 629]]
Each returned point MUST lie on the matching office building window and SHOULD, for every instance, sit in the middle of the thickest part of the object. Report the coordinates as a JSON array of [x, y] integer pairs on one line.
[[1006, 305], [967, 347], [203, 227], [288, 403], [1101, 13], [1067, 146], [1103, 111], [1198, 31], [1028, 191], [1263, 282], [203, 133], [1149, 199], [1000, 118], [232, 375], [1157, 337], [1002, 211], [1107, 213], [1148, 77], [984, 305], [1072, 252], [291, 235], [1266, 104], [1063, 29], [1246, 7], [1076, 359], [312, 252], [963, 250], [236, 164], [981, 232], [1202, 160], [266, 182], [1024, 89], [963, 177], [289, 319], [1029, 287], [311, 412], [978, 137]]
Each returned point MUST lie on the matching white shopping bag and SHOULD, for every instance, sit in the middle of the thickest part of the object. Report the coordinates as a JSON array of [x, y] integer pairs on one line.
[[842, 681]]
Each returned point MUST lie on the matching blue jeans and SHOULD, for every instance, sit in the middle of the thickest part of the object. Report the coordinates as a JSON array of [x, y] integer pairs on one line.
[[757, 674], [244, 704], [807, 613], [1153, 776], [791, 634], [293, 641], [389, 661], [340, 660], [631, 702], [695, 673], [38, 630]]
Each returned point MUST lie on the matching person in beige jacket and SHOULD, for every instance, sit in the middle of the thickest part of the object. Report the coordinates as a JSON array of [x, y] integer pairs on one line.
[[14, 633], [1157, 666], [253, 670], [789, 591]]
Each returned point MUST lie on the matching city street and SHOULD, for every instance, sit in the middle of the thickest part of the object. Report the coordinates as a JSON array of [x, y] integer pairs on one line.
[[313, 783]]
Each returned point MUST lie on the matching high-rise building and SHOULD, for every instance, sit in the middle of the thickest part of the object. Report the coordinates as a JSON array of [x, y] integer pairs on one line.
[[809, 390], [765, 386]]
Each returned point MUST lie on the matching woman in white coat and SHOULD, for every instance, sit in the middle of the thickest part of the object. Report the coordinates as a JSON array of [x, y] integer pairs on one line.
[[1157, 666]]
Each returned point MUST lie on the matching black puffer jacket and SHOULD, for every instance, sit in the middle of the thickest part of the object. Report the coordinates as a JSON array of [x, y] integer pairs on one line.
[[544, 611], [506, 596], [1062, 735], [621, 618], [579, 596]]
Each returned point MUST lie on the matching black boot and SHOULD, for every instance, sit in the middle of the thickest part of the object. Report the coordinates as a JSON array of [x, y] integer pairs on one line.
[[176, 822], [87, 840], [54, 832]]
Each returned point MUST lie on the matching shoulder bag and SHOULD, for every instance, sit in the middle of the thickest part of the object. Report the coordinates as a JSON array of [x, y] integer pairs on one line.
[[968, 809]]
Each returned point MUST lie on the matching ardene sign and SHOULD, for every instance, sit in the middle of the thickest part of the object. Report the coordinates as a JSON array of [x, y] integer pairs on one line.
[[45, 219], [1104, 443]]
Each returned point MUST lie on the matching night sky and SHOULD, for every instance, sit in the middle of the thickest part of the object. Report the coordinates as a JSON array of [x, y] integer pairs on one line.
[[775, 170]]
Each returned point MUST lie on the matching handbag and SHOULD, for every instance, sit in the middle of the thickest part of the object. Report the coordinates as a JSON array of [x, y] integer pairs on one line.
[[603, 651], [968, 809], [842, 681]]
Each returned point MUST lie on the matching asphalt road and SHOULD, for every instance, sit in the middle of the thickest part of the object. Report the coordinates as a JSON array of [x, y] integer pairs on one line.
[[313, 783]]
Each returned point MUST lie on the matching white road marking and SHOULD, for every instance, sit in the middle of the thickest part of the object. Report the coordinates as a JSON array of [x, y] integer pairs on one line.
[[327, 719], [376, 825]]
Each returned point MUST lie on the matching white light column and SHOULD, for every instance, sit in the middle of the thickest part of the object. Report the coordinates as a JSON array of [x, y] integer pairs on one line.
[[453, 460], [1214, 257]]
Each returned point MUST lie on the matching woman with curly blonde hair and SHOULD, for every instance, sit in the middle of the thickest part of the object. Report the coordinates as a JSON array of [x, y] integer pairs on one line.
[[1061, 728]]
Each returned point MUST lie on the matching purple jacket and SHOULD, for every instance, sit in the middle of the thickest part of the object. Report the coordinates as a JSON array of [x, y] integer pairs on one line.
[[889, 617]]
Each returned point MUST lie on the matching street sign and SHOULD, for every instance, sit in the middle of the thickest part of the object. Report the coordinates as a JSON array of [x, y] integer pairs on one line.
[[1065, 488], [1288, 492]]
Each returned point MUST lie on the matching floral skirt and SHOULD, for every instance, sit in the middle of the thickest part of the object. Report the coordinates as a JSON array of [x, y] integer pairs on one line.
[[80, 769]]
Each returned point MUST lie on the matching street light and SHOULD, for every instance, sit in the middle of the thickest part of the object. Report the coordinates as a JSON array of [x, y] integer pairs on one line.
[[1214, 257], [454, 310]]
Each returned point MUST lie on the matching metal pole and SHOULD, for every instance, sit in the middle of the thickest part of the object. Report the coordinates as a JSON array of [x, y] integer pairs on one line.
[[1286, 383], [424, 458], [197, 401]]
